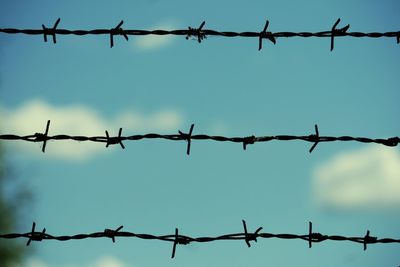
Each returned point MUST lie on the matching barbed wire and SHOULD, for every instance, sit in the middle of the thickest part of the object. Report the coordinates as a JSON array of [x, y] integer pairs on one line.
[[314, 138], [178, 239], [200, 34]]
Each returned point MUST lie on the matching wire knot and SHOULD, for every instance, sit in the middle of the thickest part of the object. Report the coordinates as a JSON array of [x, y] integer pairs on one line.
[[249, 140], [117, 31], [115, 139], [314, 138], [193, 33], [314, 237], [369, 240], [50, 31], [187, 137], [40, 137], [36, 236], [393, 141], [338, 32], [181, 240], [112, 233], [43, 137], [250, 236], [265, 35]]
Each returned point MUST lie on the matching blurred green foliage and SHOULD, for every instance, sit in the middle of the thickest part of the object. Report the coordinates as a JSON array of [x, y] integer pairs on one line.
[[13, 198]]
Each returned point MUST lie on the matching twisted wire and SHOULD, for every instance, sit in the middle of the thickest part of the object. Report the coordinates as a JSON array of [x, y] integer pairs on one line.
[[178, 239], [315, 138], [200, 34]]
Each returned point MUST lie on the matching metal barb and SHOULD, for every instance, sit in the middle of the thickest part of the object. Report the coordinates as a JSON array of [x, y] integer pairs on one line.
[[337, 32], [177, 239], [187, 136], [196, 32], [250, 236], [314, 137], [117, 31], [314, 237], [181, 240], [35, 236], [266, 35], [175, 243], [369, 240], [111, 233], [249, 140], [199, 34], [115, 140], [393, 141], [309, 234], [43, 137], [50, 31]]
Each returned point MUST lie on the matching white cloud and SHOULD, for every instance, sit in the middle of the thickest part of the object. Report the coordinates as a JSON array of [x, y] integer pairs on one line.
[[32, 116], [108, 261], [36, 263], [218, 128], [105, 261], [152, 42], [365, 179]]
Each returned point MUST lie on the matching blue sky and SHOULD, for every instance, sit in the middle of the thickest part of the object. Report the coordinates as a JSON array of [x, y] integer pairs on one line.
[[224, 86]]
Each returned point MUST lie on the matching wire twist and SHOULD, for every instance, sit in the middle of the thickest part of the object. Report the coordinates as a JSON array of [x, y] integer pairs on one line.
[[314, 138], [178, 239], [200, 34]]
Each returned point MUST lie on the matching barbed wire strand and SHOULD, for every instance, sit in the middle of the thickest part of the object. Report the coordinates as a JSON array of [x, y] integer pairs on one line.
[[200, 34], [315, 138], [178, 239]]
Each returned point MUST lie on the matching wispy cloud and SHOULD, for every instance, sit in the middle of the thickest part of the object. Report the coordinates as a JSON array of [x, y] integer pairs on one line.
[[153, 42], [364, 179], [35, 263], [108, 261], [105, 261], [31, 117]]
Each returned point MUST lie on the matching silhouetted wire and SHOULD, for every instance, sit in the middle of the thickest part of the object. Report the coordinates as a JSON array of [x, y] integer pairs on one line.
[[178, 239], [200, 34], [188, 137]]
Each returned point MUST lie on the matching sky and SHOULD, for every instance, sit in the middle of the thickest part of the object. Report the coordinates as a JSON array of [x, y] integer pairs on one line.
[[225, 87]]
